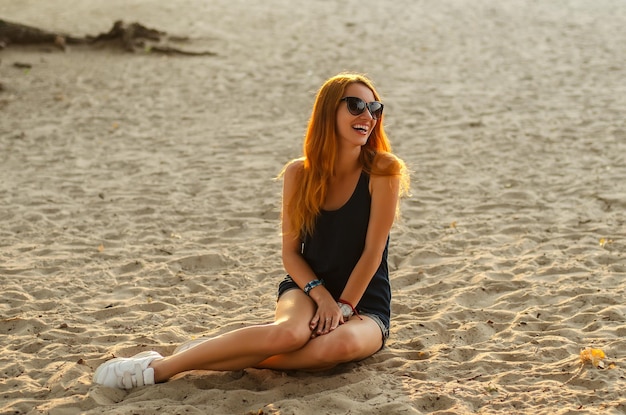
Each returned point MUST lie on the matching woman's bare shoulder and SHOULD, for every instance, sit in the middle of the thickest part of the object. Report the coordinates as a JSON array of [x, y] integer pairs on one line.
[[292, 169], [389, 167], [295, 164], [387, 163]]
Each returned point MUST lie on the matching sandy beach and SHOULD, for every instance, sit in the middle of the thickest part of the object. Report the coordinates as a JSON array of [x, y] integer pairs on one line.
[[139, 206]]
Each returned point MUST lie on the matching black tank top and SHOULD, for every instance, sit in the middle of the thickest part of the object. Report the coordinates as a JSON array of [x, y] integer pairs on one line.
[[336, 246]]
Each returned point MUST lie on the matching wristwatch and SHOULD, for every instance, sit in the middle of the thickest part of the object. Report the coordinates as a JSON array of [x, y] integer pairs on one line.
[[346, 310]]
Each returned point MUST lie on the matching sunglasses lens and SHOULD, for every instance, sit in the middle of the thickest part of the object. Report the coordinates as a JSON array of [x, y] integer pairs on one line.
[[356, 106], [376, 109]]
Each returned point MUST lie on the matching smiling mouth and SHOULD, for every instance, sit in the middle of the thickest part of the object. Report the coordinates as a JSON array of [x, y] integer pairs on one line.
[[363, 129]]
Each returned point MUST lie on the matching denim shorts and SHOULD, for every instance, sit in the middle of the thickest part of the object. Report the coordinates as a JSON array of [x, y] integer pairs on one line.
[[288, 284]]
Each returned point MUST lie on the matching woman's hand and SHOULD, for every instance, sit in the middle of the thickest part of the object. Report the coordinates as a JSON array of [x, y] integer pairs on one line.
[[328, 315]]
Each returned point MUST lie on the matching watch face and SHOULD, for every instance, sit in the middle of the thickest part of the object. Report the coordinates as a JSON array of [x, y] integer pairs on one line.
[[345, 310]]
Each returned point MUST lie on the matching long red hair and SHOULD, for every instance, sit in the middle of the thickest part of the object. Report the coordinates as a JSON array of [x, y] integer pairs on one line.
[[320, 153]]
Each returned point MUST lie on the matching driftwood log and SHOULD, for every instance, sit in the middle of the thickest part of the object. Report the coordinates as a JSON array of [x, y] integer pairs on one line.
[[132, 37], [23, 35]]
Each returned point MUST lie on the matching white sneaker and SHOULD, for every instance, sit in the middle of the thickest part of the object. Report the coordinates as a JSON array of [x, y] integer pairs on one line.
[[127, 372]]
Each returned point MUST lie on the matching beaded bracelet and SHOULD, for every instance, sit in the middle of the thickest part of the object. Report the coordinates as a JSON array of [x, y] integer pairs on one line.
[[312, 284], [356, 313]]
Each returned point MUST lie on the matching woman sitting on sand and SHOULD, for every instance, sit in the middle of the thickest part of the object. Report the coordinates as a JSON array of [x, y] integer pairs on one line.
[[339, 203]]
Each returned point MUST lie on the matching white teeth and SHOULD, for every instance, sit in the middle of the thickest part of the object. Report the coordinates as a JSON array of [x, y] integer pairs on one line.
[[360, 127]]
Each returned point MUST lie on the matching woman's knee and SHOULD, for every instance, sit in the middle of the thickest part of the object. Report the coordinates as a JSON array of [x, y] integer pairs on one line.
[[290, 338], [342, 349]]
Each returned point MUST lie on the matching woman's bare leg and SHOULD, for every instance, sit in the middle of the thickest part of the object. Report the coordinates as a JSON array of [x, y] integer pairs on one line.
[[248, 346], [352, 341]]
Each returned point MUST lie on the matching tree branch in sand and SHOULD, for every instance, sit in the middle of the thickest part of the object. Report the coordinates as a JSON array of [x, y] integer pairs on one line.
[[131, 37]]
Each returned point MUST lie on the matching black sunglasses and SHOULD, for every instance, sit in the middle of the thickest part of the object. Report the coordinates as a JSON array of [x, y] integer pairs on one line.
[[356, 106]]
